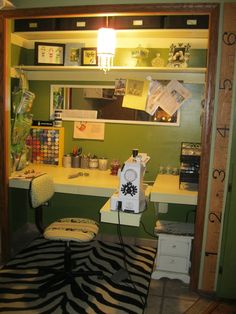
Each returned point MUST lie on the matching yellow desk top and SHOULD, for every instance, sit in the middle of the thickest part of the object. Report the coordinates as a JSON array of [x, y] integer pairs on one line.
[[102, 183], [97, 183], [166, 190]]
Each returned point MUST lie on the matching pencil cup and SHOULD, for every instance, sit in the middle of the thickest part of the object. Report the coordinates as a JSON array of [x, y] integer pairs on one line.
[[102, 164], [66, 162], [75, 161]]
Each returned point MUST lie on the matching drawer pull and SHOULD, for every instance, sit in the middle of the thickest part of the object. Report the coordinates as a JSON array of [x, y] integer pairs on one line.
[[172, 261], [174, 246], [80, 24], [33, 25], [137, 22]]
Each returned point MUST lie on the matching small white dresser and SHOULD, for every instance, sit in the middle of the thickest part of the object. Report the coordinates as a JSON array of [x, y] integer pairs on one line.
[[174, 250]]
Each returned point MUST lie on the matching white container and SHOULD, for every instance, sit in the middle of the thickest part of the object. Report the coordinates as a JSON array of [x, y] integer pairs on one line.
[[93, 163], [57, 123], [75, 161], [102, 164], [66, 161]]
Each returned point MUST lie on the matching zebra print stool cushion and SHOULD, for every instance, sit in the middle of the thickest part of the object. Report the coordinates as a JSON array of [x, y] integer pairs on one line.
[[75, 229]]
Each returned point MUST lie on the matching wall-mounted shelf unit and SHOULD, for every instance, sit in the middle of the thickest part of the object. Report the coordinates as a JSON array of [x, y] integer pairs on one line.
[[153, 32]]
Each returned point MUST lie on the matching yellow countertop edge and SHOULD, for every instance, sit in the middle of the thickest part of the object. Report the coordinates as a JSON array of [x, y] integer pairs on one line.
[[85, 185]]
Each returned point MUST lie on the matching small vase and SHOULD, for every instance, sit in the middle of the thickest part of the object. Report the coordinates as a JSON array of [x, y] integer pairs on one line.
[[158, 61]]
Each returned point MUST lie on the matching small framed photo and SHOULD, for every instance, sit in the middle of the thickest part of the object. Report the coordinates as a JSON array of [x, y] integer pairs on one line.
[[89, 56], [179, 55], [73, 54], [49, 53]]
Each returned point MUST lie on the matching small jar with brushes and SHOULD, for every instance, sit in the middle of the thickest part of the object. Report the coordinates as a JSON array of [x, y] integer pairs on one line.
[[93, 162], [84, 164], [75, 157]]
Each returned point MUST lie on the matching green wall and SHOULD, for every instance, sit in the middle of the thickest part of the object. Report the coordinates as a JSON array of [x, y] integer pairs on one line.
[[162, 143]]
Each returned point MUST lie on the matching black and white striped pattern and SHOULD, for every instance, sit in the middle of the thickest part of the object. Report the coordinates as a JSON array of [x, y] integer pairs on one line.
[[19, 287]]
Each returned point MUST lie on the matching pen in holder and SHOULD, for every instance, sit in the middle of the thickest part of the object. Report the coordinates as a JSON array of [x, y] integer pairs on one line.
[[102, 164], [66, 162], [75, 161], [84, 162]]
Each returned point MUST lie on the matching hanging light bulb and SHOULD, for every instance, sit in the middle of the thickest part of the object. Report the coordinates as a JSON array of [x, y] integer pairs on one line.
[[106, 43]]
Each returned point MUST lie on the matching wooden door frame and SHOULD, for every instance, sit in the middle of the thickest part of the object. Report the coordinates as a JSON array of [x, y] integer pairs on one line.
[[211, 9]]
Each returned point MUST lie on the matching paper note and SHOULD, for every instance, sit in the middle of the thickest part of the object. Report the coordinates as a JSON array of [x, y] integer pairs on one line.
[[136, 94], [89, 130], [155, 90], [172, 97]]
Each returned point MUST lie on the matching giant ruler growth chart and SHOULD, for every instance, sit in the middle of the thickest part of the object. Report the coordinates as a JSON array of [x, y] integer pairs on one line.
[[221, 147]]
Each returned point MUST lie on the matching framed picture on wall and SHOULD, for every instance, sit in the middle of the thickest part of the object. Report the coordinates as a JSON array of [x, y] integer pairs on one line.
[[73, 54], [89, 56], [49, 53]]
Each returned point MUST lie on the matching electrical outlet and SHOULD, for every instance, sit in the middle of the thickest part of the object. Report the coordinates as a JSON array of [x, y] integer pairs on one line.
[[161, 208]]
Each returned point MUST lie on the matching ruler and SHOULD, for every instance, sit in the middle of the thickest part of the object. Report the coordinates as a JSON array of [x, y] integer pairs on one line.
[[218, 171]]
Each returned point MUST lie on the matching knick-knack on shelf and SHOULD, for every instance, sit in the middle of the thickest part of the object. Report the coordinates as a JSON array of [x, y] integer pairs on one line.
[[158, 61]]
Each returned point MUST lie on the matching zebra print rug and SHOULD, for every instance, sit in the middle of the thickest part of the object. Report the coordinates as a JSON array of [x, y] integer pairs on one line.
[[19, 279]]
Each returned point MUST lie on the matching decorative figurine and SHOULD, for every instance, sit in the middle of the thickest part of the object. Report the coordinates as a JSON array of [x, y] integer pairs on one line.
[[140, 54], [158, 61]]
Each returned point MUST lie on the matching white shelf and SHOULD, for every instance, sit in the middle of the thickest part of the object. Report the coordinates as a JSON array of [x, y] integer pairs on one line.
[[115, 68], [187, 75], [115, 217]]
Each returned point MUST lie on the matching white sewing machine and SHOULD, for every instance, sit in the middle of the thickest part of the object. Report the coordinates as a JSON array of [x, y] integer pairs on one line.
[[131, 194]]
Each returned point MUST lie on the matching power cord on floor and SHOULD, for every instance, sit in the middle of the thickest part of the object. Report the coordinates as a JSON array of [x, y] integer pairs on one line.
[[119, 233], [193, 211], [147, 232]]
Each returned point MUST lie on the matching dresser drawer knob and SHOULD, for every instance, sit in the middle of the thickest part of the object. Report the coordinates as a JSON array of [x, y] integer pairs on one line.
[[173, 246]]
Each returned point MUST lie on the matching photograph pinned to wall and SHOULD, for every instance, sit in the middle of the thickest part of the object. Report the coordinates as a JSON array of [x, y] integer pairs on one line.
[[57, 99], [89, 56], [49, 53], [135, 87], [73, 54], [120, 87], [136, 94], [179, 55], [89, 130]]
